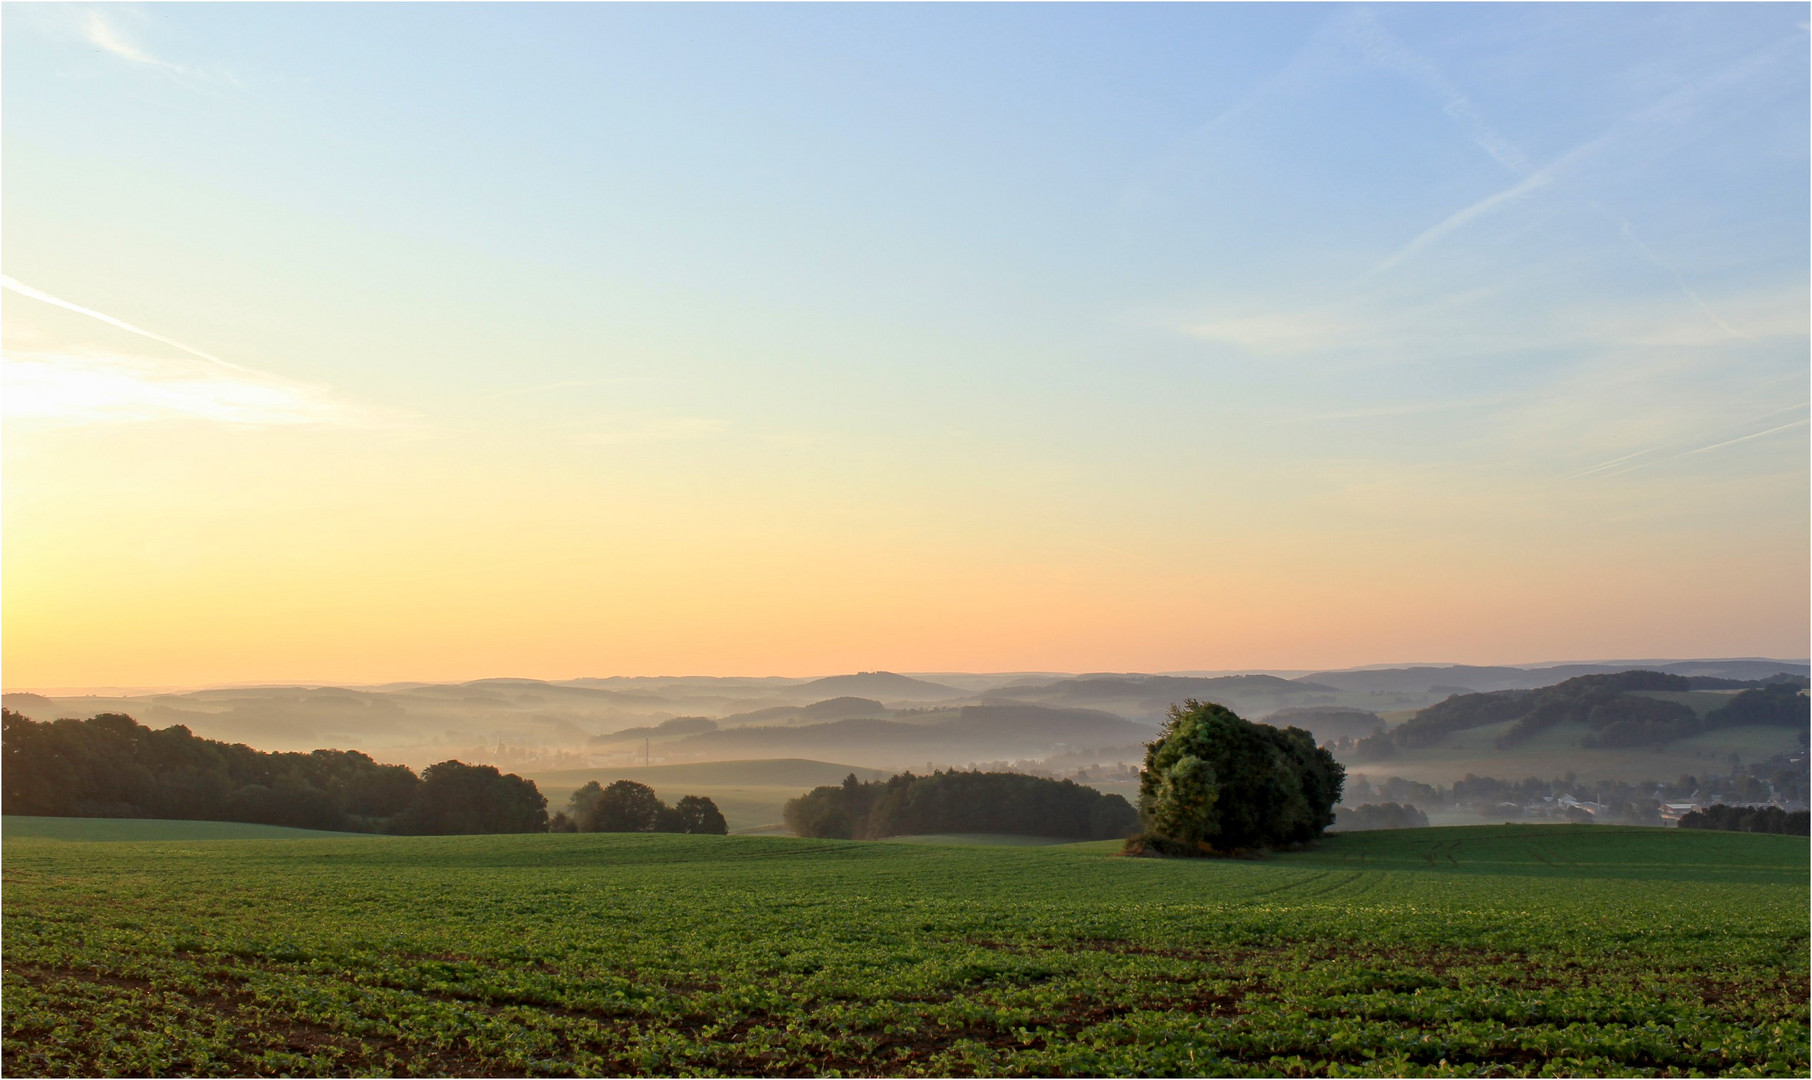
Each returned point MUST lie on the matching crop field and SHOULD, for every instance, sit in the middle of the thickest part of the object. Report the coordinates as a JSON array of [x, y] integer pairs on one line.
[[92, 830], [1488, 950]]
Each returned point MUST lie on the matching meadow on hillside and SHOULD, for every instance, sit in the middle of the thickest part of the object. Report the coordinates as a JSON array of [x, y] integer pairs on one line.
[[1505, 950]]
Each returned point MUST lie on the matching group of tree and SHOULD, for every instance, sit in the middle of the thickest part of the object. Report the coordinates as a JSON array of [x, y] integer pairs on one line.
[[1218, 784], [628, 806], [1762, 819], [113, 766], [1616, 710], [1388, 815], [960, 802]]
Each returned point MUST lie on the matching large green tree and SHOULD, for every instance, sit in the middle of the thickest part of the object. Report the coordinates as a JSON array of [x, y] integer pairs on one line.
[[1215, 783]]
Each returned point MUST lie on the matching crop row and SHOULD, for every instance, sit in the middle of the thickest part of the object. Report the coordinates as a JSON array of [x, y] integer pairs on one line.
[[644, 957]]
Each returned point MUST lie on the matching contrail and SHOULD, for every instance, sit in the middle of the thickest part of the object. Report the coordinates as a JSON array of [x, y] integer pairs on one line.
[[1385, 49], [26, 290], [1670, 107], [1607, 464], [1687, 453], [1746, 438], [1535, 181], [1680, 280]]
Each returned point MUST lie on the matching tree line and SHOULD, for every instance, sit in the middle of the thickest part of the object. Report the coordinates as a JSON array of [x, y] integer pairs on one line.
[[113, 766], [960, 802], [1762, 819]]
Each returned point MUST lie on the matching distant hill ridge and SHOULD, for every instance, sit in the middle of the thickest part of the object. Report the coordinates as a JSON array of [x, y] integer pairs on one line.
[[1106, 687], [1625, 708], [1425, 677], [880, 684], [977, 729], [530, 723]]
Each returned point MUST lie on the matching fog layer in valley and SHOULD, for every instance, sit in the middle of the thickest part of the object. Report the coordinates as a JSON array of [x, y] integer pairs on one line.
[[879, 720]]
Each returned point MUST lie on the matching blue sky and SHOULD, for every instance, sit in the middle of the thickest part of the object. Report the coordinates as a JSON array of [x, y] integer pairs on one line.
[[1502, 308]]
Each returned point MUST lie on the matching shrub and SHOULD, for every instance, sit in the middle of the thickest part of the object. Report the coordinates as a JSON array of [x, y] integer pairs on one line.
[[1217, 784]]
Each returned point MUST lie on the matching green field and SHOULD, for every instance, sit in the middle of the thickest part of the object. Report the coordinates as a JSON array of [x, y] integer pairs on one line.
[[1488, 950], [978, 840], [105, 830]]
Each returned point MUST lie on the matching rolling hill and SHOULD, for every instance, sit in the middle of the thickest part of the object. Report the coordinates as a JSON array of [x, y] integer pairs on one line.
[[884, 685]]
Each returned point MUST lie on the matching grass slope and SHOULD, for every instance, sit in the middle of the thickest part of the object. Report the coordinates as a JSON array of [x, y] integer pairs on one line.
[[104, 830], [979, 840], [1486, 950]]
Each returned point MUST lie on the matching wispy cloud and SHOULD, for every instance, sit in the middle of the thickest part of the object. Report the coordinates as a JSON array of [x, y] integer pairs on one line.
[[1278, 333], [571, 384], [73, 388], [103, 35], [1410, 408], [1351, 322], [663, 429], [106, 36], [83, 384], [1753, 316]]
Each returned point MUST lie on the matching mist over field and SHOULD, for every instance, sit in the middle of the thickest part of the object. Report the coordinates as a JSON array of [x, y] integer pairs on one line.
[[735, 737]]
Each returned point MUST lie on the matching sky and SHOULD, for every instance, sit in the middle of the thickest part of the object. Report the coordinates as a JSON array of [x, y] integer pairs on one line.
[[355, 343]]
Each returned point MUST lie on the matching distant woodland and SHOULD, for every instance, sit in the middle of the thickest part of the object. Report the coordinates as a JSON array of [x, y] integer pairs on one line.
[[113, 766], [1613, 708], [960, 802]]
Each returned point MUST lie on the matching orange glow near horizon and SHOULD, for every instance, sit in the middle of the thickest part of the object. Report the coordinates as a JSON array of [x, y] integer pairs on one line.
[[172, 555]]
